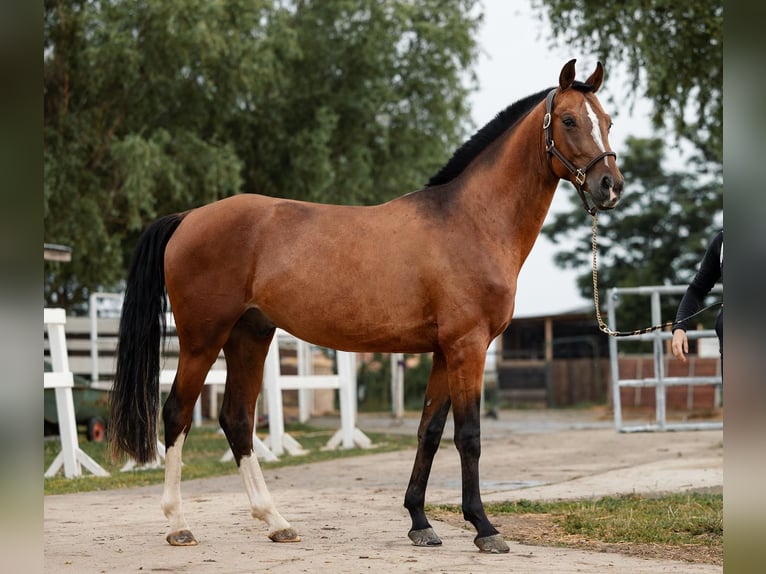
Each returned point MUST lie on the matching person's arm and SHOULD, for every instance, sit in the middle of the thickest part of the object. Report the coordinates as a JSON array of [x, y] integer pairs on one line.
[[708, 274]]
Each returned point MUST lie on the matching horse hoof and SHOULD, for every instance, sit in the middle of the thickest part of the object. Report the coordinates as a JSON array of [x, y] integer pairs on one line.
[[425, 537], [493, 544], [181, 538], [285, 535]]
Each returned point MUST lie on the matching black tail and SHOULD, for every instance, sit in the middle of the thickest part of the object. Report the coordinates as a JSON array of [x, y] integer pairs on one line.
[[135, 397]]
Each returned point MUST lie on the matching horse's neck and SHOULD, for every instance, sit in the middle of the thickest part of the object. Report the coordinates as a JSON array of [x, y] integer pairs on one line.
[[516, 188]]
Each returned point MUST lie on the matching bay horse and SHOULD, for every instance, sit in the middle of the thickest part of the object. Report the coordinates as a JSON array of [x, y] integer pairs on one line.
[[431, 271]]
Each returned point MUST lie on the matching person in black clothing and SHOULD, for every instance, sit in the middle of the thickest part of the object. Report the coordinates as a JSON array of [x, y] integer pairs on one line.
[[709, 273]]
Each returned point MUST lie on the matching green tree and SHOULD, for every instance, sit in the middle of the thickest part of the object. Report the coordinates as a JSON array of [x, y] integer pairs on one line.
[[657, 235], [155, 106], [375, 103], [137, 97], [672, 52]]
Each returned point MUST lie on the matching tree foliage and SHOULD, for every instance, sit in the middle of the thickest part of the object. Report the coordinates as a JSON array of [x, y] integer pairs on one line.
[[672, 52], [657, 235], [156, 106]]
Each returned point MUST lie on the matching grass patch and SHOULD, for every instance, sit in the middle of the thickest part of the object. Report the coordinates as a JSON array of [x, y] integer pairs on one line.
[[201, 455], [672, 519]]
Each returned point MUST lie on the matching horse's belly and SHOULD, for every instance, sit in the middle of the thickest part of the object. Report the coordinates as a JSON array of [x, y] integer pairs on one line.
[[379, 339], [354, 317]]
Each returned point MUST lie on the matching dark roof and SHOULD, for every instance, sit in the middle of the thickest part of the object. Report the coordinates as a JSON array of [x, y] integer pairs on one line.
[[580, 312], [55, 252]]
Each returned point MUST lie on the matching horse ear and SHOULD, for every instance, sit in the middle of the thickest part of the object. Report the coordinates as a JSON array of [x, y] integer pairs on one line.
[[567, 76], [596, 77]]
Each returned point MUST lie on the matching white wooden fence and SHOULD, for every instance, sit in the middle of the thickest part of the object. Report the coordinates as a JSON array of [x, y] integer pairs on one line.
[[61, 380]]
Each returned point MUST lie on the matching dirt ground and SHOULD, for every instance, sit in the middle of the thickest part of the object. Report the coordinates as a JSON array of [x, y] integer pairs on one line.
[[349, 512]]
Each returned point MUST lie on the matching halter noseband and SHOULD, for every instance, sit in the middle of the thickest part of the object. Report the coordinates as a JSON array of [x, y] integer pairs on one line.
[[580, 174]]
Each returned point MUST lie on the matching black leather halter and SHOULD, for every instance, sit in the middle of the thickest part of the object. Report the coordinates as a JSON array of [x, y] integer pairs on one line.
[[580, 174]]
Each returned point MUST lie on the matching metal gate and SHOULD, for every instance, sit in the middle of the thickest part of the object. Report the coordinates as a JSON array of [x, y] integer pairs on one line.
[[659, 381]]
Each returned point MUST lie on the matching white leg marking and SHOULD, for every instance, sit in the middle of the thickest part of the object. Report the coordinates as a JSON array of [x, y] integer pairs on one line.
[[595, 131], [261, 504], [171, 495]]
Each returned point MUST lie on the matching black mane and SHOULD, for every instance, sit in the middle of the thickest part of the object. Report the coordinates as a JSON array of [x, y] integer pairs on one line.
[[466, 153]]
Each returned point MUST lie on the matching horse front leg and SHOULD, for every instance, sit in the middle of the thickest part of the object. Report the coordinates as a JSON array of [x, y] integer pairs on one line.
[[245, 353], [436, 405], [465, 366]]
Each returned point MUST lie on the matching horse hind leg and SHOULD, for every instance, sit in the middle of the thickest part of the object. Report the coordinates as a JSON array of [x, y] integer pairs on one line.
[[177, 416], [436, 406], [245, 353]]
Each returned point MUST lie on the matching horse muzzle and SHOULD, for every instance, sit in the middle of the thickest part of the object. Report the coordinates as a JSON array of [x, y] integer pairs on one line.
[[608, 193]]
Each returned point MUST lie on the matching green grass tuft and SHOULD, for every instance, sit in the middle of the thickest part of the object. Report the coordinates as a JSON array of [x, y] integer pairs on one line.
[[675, 519]]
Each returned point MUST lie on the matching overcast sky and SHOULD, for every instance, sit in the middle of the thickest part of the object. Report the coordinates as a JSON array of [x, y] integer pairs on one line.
[[515, 61]]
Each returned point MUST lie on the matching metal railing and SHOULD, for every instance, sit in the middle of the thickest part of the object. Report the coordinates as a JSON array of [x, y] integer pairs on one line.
[[659, 380]]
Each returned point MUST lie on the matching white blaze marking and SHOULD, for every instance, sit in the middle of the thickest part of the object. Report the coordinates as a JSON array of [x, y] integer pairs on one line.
[[595, 131]]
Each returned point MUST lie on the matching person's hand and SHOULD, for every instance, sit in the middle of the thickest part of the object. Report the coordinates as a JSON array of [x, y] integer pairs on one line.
[[680, 345]]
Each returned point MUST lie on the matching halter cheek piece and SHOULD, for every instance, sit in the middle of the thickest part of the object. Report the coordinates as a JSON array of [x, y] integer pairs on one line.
[[580, 174]]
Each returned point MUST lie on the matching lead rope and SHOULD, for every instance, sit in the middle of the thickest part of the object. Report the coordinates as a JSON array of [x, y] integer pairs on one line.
[[603, 326]]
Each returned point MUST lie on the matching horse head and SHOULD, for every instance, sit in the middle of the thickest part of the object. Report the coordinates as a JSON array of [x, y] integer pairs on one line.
[[576, 130]]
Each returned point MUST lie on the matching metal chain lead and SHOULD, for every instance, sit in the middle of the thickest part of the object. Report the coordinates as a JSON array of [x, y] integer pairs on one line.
[[603, 326]]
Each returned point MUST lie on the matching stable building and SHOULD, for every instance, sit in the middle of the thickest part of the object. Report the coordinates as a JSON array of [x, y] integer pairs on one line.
[[553, 360]]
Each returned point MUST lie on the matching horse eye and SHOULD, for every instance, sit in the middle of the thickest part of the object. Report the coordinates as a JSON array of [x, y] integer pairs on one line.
[[569, 122]]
